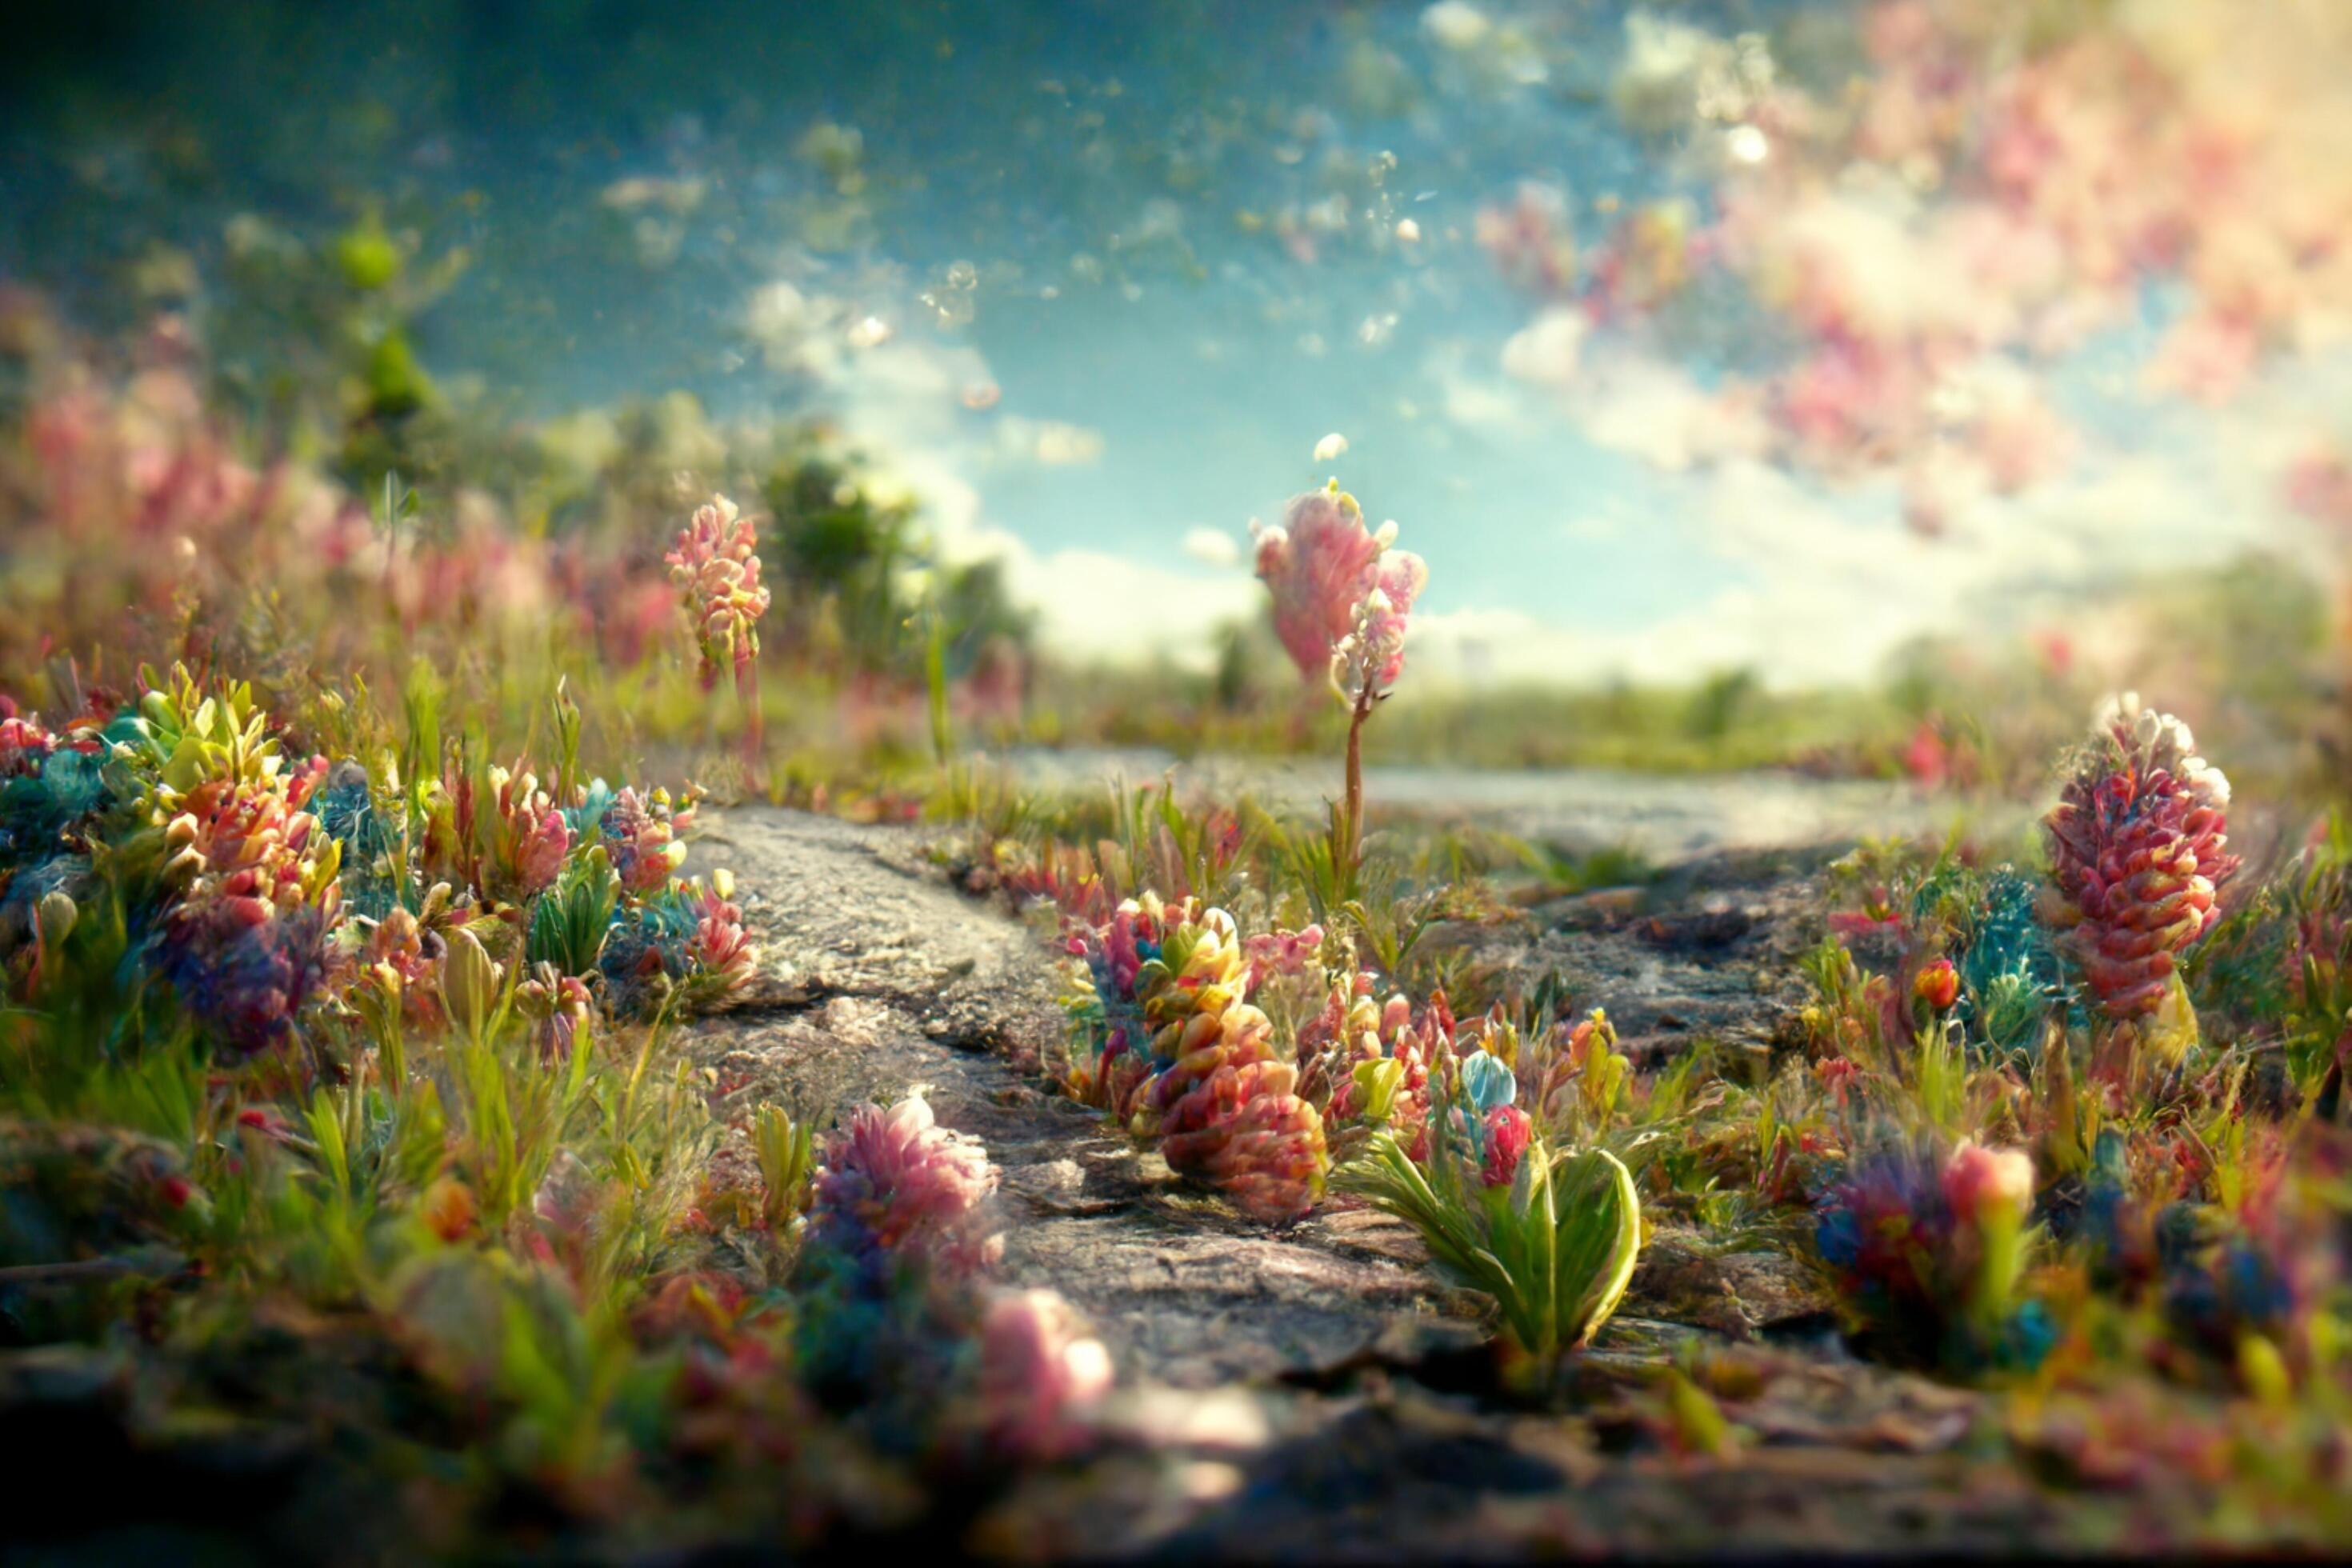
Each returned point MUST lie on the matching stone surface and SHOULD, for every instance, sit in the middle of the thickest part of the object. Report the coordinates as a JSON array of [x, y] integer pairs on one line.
[[954, 999]]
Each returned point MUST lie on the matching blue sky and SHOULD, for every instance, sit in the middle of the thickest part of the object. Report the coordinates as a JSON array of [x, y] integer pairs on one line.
[[1184, 226]]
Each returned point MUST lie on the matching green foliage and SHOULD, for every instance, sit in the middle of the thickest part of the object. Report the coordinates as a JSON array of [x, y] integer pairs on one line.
[[571, 921], [787, 1154], [1555, 1248]]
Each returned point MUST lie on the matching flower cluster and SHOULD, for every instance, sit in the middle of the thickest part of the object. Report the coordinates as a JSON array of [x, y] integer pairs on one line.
[[722, 950], [1991, 187], [245, 916], [496, 829], [132, 497], [897, 1188], [1221, 1104], [2137, 850], [1341, 594], [1927, 1251], [257, 890], [1385, 1053], [1114, 954], [715, 565], [1191, 1064], [640, 833], [529, 837]]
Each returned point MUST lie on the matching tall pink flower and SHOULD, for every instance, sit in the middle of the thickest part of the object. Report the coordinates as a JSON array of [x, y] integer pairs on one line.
[[1324, 569], [2138, 851], [716, 566]]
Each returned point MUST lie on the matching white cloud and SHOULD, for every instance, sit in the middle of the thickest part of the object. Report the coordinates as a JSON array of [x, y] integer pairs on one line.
[[1212, 546], [1545, 352], [1113, 609]]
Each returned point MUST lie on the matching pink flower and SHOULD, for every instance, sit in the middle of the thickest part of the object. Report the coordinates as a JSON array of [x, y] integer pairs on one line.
[[2318, 485], [638, 837], [1282, 953], [716, 566], [23, 744], [533, 836], [1928, 758], [897, 1184], [1332, 579], [1038, 1367], [722, 950], [1981, 1183], [2137, 850]]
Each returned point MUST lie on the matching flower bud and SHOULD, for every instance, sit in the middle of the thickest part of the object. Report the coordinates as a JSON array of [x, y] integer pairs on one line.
[[1982, 1183], [1938, 986], [55, 917]]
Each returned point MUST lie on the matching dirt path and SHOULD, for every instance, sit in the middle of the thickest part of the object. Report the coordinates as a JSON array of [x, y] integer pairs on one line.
[[1314, 1392], [880, 983]]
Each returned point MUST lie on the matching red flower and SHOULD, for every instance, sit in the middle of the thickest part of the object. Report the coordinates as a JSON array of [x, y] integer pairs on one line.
[[1508, 1131], [1938, 986]]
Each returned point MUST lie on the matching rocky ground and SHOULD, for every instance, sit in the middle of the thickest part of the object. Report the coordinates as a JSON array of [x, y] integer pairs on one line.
[[1314, 1392]]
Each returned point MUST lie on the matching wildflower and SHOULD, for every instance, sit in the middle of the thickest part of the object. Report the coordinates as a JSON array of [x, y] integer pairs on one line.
[[1114, 953], [1341, 599], [1377, 1032], [410, 955], [716, 566], [1223, 1109], [245, 943], [1038, 1369], [1983, 1184], [531, 836], [1926, 1253], [244, 970], [1486, 1082], [898, 1186], [1282, 953], [1937, 985], [639, 836], [1189, 1064], [448, 1208], [1508, 1132], [22, 746], [558, 1007], [721, 953], [2138, 851], [1323, 567]]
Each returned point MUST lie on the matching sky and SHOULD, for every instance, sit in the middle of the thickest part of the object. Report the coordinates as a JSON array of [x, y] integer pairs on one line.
[[1098, 281]]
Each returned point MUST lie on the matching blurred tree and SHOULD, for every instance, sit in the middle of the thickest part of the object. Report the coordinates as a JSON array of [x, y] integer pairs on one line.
[[1719, 702], [864, 576]]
